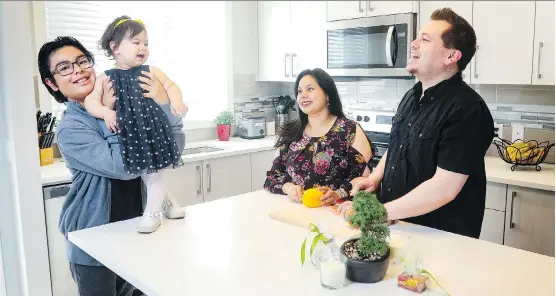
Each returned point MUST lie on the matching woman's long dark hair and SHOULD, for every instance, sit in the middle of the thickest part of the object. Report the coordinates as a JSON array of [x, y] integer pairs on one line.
[[293, 130]]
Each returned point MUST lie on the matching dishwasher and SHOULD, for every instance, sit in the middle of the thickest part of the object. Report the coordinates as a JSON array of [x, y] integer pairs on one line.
[[60, 274]]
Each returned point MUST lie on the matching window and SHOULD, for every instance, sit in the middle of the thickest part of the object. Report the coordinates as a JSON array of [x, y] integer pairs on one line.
[[187, 41]]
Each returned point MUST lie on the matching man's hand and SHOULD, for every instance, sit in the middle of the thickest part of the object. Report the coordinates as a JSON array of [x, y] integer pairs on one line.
[[329, 196], [110, 120], [346, 210], [154, 88], [369, 184], [108, 94]]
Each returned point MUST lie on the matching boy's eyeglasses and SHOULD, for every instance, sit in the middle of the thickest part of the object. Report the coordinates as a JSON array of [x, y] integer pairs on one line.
[[67, 68]]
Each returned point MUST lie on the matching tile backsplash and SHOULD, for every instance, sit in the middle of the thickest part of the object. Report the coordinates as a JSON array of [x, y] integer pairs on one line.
[[254, 98], [531, 106]]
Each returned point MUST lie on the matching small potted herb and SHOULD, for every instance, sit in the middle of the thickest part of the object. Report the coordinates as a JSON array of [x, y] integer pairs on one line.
[[367, 256], [224, 125]]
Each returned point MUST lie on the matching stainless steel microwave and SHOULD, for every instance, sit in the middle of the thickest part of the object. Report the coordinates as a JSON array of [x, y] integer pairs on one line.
[[371, 47]]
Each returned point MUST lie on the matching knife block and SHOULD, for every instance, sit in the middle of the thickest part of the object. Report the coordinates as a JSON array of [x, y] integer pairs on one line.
[[47, 156]]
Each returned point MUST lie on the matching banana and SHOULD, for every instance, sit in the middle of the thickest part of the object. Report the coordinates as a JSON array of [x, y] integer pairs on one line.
[[521, 151]]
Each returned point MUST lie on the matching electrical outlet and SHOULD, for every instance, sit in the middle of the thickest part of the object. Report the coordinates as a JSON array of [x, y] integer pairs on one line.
[[518, 132]]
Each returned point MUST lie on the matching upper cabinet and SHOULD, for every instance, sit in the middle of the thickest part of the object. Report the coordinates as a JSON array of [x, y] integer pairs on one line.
[[292, 37], [274, 51], [504, 42], [462, 8], [514, 46], [543, 50], [375, 8], [345, 10], [308, 19]]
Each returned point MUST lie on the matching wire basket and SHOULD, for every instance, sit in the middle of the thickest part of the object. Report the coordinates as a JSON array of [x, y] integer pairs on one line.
[[521, 153]]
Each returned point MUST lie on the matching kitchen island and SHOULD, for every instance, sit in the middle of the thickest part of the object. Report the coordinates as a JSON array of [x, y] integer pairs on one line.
[[232, 247]]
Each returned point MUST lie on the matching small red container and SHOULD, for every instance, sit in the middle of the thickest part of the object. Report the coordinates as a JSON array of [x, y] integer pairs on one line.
[[223, 131]]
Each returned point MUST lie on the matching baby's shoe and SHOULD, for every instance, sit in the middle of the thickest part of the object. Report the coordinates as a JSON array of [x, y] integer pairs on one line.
[[170, 208], [149, 223]]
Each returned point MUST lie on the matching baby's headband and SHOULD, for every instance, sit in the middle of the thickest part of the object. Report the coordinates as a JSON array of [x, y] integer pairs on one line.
[[125, 20]]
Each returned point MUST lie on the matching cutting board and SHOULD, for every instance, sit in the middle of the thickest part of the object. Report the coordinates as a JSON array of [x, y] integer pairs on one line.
[[328, 221]]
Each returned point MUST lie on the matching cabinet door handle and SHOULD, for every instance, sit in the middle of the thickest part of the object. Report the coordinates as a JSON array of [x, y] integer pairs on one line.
[[294, 56], [209, 177], [539, 76], [369, 8], [360, 7], [286, 57], [476, 56], [200, 182], [512, 224]]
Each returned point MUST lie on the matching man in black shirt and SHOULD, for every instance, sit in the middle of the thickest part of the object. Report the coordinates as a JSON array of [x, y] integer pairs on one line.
[[433, 173]]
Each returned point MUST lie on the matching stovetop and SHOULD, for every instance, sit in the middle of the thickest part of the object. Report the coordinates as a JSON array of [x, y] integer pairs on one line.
[[377, 126]]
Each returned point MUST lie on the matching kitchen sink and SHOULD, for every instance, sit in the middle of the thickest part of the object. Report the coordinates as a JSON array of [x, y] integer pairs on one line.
[[203, 149]]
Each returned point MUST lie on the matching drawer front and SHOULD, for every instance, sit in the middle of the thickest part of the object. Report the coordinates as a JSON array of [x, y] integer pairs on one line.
[[493, 226], [496, 196]]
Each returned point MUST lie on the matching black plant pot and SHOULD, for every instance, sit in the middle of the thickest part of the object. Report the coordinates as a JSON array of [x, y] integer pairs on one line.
[[365, 271]]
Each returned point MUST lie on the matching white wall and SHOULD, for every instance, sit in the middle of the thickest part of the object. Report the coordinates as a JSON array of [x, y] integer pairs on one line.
[[22, 226], [2, 280]]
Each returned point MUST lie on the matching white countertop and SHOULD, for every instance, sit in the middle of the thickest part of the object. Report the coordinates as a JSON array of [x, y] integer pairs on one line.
[[496, 169], [232, 247], [499, 171], [59, 173]]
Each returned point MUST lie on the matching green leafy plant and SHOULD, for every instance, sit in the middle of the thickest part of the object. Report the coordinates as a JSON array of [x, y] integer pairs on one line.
[[318, 237], [225, 117], [370, 217]]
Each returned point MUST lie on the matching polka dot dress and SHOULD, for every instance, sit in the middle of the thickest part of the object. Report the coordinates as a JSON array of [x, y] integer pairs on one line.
[[147, 142]]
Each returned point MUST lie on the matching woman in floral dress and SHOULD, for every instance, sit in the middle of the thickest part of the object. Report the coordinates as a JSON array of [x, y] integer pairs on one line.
[[323, 149]]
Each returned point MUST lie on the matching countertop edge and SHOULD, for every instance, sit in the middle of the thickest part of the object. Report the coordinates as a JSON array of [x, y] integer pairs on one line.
[[520, 183], [64, 178]]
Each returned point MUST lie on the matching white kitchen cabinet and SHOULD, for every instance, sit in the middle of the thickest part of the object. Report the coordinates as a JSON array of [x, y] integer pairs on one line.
[[376, 8], [462, 8], [492, 229], [530, 220], [543, 51], [292, 37], [226, 176], [345, 10], [496, 196], [308, 21], [261, 162], [185, 183], [504, 42], [274, 41]]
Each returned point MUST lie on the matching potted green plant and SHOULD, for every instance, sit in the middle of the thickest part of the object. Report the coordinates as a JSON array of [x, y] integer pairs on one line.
[[224, 125], [367, 255]]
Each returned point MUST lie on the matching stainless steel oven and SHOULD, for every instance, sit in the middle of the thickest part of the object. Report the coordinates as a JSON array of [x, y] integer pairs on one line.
[[371, 47]]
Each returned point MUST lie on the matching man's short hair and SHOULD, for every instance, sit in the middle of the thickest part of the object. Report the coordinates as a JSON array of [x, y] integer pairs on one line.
[[460, 35]]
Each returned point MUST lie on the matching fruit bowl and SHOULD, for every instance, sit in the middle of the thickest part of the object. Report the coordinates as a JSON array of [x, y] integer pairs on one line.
[[521, 153]]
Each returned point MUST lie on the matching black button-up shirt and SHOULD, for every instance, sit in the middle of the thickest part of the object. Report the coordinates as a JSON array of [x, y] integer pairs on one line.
[[449, 127]]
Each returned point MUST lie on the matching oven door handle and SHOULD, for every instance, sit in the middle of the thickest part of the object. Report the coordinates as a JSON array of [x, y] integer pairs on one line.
[[391, 55]]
